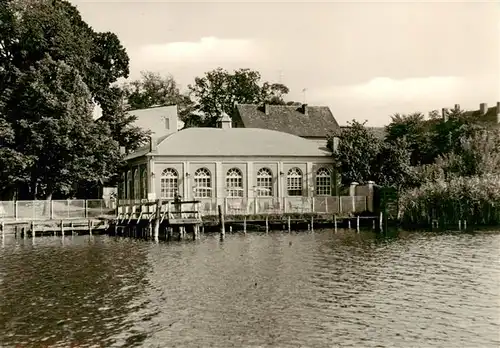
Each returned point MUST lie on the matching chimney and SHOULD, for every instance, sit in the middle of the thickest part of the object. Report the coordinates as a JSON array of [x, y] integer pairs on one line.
[[123, 151], [152, 144], [266, 108], [444, 114], [304, 109], [498, 112], [483, 108], [171, 120], [457, 107]]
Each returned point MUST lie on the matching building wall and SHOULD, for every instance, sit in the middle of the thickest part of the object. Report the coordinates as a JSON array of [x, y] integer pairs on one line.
[[218, 168]]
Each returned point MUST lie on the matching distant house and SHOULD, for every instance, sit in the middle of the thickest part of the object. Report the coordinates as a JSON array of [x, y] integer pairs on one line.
[[485, 115], [309, 122], [160, 120]]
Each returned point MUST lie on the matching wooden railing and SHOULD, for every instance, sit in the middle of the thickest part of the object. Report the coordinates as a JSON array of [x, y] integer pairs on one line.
[[57, 209], [259, 205]]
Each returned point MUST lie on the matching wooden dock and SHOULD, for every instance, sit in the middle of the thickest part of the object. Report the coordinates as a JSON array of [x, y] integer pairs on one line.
[[34, 228], [159, 219]]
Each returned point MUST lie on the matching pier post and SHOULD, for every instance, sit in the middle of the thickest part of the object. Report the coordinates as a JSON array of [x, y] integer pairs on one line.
[[381, 221], [33, 229], [349, 223], [465, 224], [267, 224], [221, 223], [357, 223], [157, 219], [195, 232], [335, 223], [245, 224], [2, 227], [90, 227], [312, 223], [62, 228], [459, 225], [289, 227]]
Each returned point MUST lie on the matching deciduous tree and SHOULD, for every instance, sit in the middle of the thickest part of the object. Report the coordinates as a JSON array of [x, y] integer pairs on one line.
[[218, 91]]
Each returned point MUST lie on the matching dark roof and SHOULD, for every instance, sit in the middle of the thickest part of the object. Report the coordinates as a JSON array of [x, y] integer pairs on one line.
[[378, 132], [318, 122], [490, 117]]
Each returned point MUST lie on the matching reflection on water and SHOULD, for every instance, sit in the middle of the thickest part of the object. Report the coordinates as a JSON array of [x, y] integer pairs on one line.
[[308, 289]]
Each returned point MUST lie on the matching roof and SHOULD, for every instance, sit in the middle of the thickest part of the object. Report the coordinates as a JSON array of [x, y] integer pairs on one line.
[[490, 117], [318, 122], [378, 132], [233, 142]]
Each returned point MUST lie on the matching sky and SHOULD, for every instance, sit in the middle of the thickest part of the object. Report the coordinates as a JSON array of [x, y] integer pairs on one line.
[[365, 60]]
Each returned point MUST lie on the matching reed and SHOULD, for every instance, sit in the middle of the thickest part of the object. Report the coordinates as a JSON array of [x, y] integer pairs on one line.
[[475, 199]]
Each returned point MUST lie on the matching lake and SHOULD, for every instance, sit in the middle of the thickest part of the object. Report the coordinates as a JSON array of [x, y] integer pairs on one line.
[[319, 289]]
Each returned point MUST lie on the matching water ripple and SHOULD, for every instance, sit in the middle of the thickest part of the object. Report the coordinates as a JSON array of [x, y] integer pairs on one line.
[[260, 290]]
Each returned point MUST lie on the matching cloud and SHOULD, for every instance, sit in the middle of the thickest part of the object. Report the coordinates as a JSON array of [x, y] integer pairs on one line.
[[378, 98], [384, 89], [206, 50]]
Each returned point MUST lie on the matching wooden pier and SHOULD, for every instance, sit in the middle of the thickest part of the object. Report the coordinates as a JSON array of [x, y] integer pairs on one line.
[[48, 227], [159, 220]]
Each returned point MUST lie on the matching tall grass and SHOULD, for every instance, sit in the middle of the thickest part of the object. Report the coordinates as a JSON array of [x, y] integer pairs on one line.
[[475, 199]]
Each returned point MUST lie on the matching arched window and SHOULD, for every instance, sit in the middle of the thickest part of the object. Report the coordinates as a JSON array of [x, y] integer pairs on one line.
[[234, 183], [137, 182], [202, 183], [130, 185], [294, 182], [323, 182], [144, 183], [264, 183], [169, 183]]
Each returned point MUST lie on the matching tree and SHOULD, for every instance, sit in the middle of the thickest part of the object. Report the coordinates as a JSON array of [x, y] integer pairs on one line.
[[356, 153], [414, 131], [152, 89], [52, 66], [393, 165], [120, 122], [218, 91], [53, 124]]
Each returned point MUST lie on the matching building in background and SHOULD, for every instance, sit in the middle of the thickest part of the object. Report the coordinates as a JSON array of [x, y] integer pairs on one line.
[[160, 120], [309, 122]]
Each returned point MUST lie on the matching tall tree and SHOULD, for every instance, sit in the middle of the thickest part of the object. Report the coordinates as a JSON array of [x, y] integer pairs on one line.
[[52, 66], [413, 130], [356, 154], [218, 91], [53, 123], [152, 89]]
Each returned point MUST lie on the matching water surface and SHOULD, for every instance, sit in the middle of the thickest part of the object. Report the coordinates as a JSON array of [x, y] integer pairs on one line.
[[316, 289]]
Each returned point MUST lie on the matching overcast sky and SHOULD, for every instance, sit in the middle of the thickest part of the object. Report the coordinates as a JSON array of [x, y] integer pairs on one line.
[[365, 61]]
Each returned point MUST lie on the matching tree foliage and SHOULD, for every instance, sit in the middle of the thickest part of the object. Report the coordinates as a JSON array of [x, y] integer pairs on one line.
[[152, 89], [356, 153], [218, 91], [53, 66]]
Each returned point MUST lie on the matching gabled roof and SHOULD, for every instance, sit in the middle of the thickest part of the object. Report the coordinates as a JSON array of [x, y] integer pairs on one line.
[[208, 142], [318, 122]]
